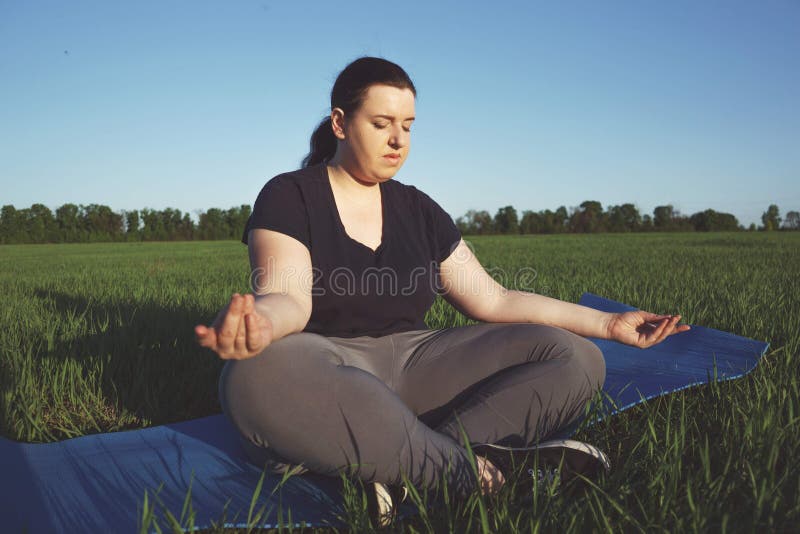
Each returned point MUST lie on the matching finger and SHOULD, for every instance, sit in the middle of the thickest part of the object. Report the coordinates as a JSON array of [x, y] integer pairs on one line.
[[653, 320], [654, 317], [226, 334], [249, 304], [240, 343], [255, 336], [670, 328], [654, 323], [206, 337], [681, 328], [242, 313], [248, 308], [200, 333], [653, 337]]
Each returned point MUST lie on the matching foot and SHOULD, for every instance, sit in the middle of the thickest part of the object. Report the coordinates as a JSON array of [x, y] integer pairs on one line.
[[491, 478], [555, 461], [383, 501]]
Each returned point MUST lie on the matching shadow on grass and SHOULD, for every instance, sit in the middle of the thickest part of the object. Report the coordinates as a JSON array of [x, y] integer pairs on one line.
[[153, 372]]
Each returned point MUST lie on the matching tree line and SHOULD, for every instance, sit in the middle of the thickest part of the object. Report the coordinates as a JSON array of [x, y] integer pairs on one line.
[[590, 217], [95, 223]]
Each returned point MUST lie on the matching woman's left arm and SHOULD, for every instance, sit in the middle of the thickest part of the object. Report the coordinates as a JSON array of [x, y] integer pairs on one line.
[[470, 289]]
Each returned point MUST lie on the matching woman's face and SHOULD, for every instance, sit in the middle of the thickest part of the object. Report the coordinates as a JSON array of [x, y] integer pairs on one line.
[[374, 140]]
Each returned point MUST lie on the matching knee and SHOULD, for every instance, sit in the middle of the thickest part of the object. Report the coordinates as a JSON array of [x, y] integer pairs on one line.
[[585, 358], [525, 342], [590, 360], [239, 377], [246, 384]]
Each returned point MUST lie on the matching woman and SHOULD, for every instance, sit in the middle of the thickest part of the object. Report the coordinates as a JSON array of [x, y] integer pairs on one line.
[[331, 365]]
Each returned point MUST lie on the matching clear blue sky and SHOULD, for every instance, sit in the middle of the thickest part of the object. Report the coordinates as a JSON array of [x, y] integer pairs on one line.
[[193, 105]]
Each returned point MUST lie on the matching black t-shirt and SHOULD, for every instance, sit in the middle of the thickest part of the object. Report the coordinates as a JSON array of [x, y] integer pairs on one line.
[[358, 292]]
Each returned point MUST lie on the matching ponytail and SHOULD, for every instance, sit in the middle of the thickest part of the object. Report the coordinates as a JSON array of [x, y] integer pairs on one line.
[[322, 145]]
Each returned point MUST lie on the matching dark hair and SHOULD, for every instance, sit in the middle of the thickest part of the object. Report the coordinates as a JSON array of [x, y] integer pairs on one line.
[[348, 93]]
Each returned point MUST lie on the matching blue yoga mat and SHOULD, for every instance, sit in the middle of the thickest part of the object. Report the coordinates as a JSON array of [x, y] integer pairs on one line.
[[93, 483]]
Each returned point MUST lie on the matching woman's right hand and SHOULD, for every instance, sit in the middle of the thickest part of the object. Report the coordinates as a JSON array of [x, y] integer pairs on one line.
[[238, 332]]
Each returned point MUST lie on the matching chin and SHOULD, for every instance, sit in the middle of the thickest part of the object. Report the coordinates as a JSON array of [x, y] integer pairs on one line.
[[387, 175]]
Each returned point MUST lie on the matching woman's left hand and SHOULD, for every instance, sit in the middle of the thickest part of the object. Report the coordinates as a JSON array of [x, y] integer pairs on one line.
[[643, 329]]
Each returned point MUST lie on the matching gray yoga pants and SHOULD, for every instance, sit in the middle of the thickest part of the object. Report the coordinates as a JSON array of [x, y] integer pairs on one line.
[[380, 408]]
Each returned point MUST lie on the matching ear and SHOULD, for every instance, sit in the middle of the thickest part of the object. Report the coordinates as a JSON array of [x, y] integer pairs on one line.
[[337, 122]]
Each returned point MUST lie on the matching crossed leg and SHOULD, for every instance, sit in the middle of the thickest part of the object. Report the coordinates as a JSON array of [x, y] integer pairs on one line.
[[381, 408]]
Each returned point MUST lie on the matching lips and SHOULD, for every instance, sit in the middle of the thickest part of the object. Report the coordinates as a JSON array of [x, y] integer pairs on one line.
[[394, 158]]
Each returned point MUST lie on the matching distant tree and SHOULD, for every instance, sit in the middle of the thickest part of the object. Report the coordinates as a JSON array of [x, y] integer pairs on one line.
[[554, 222], [589, 218], [152, 226], [475, 223], [171, 219], [41, 226], [177, 226], [752, 227], [559, 220], [631, 217], [647, 223], [681, 223], [24, 220], [727, 222], [792, 221], [11, 225], [624, 218], [703, 221], [186, 232], [548, 222], [212, 225], [662, 217], [713, 221], [529, 223], [132, 225], [463, 225], [483, 222], [771, 218], [236, 219], [506, 221], [100, 223], [68, 219]]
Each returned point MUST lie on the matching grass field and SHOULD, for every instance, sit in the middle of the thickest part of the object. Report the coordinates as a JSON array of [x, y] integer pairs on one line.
[[92, 338]]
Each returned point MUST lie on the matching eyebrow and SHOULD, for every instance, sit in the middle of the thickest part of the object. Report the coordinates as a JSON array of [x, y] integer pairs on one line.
[[390, 117]]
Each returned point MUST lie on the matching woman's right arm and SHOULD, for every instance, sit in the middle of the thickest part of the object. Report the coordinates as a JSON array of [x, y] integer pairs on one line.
[[281, 279]]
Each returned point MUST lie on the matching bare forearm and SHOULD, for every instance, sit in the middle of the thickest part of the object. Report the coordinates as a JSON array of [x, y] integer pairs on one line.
[[284, 312], [523, 307]]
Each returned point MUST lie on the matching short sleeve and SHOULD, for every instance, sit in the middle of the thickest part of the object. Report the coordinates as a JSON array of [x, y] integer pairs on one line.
[[280, 207], [444, 233]]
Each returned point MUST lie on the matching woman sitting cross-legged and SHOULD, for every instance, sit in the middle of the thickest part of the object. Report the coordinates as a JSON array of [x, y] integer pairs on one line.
[[331, 365]]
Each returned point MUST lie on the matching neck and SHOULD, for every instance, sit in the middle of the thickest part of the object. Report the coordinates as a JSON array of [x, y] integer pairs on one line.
[[358, 191]]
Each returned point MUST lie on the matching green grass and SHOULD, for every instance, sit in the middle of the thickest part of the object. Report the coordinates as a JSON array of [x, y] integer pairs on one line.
[[92, 338]]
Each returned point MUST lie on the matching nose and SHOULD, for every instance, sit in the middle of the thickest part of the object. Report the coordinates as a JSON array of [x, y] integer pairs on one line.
[[399, 137]]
